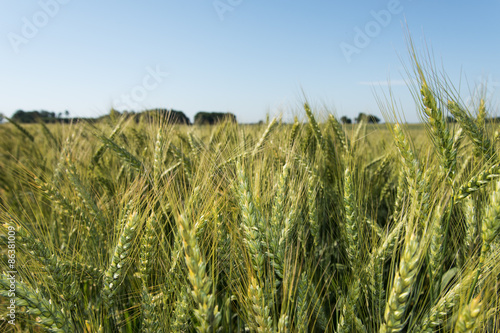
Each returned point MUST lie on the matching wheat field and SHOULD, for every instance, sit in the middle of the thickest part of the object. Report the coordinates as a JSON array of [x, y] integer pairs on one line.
[[313, 226]]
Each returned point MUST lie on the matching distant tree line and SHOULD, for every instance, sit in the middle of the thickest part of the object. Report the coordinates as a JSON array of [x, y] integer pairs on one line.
[[178, 117], [165, 115], [28, 117]]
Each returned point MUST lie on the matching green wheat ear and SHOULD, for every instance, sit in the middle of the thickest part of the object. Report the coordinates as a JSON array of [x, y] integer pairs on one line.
[[148, 245], [265, 136], [477, 182], [351, 217], [440, 133], [121, 257], [294, 132], [251, 223], [207, 313], [314, 126], [339, 132], [48, 313], [468, 317], [395, 310], [483, 147], [490, 223]]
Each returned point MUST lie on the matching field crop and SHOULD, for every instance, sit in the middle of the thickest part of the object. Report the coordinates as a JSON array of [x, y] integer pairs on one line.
[[307, 227]]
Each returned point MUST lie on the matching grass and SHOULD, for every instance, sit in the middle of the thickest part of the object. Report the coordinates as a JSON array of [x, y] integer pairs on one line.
[[310, 227]]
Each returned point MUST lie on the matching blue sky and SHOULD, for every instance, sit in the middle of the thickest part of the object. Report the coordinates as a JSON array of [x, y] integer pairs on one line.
[[240, 56]]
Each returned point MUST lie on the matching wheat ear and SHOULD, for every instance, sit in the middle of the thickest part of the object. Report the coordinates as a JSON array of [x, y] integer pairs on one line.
[[250, 222], [477, 135], [277, 222], [441, 135], [207, 313], [468, 317], [261, 320], [351, 217], [481, 114], [120, 258], [315, 127], [158, 156], [438, 312], [477, 182], [339, 133], [148, 243], [264, 136], [294, 132], [48, 314], [471, 223], [402, 287], [436, 250]]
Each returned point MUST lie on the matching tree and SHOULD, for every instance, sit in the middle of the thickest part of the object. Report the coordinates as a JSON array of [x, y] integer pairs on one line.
[[373, 119], [21, 116], [369, 118], [210, 118], [346, 120]]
